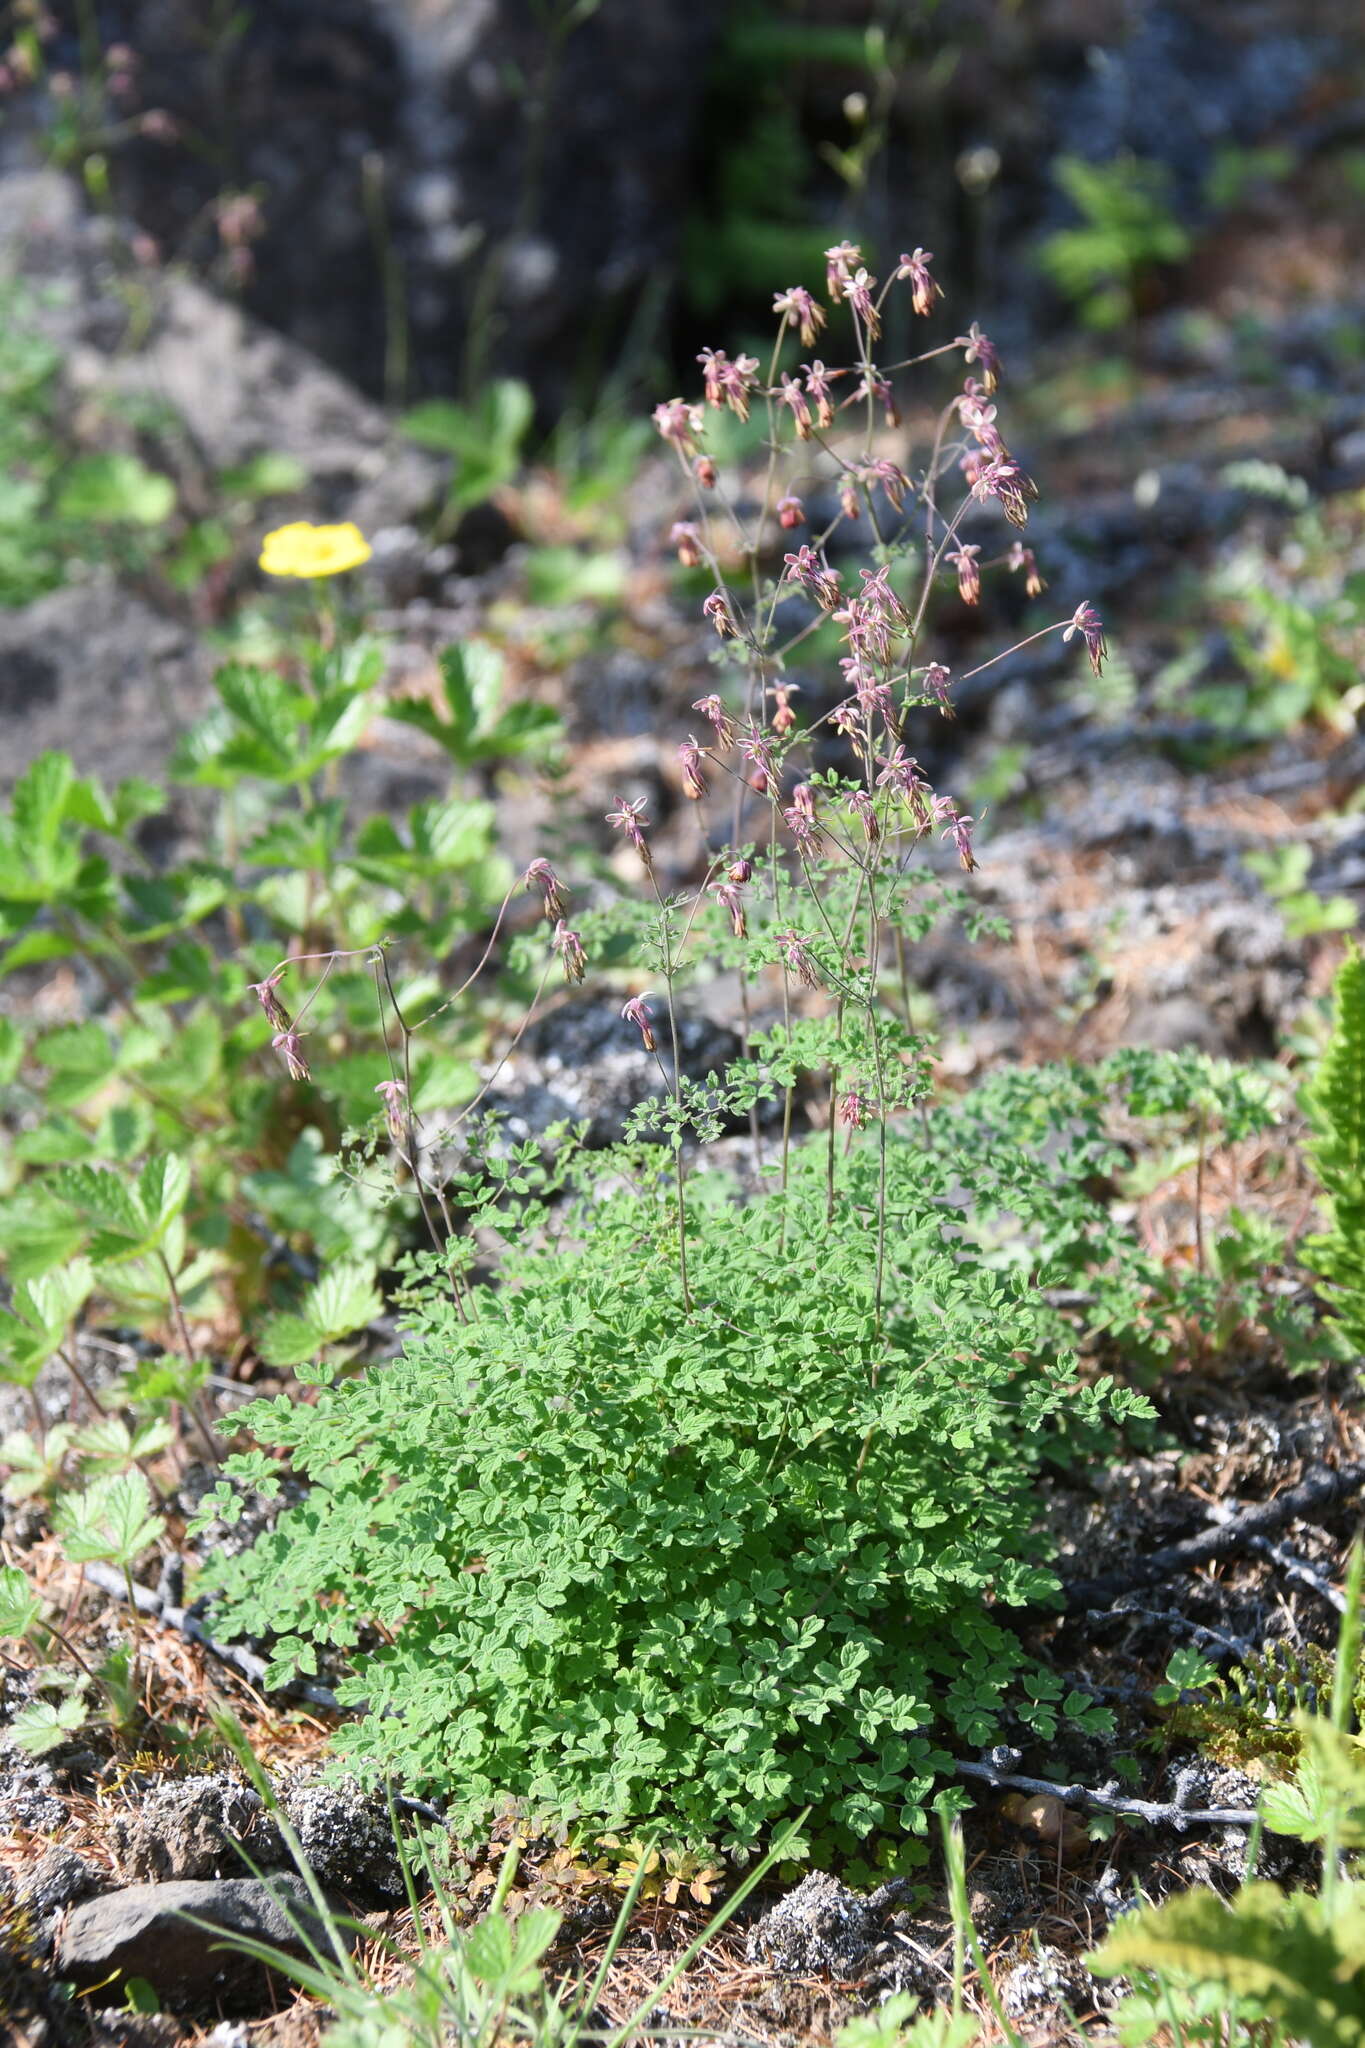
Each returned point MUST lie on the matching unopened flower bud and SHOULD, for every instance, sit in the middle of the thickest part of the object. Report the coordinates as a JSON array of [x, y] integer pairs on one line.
[[790, 512], [740, 870], [849, 503], [704, 470]]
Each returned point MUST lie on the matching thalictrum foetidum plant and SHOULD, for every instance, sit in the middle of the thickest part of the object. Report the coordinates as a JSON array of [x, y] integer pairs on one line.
[[708, 1505]]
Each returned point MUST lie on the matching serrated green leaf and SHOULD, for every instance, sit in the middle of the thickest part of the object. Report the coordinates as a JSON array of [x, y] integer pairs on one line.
[[345, 1299], [109, 1521], [20, 1606], [44, 1725], [115, 489]]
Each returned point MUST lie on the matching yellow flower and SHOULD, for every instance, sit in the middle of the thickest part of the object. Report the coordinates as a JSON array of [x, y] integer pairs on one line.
[[305, 550]]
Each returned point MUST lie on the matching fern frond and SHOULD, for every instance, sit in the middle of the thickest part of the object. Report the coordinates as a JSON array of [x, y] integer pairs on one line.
[[1335, 1104]]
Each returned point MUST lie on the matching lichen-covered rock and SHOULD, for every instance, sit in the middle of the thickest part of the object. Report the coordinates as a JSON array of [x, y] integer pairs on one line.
[[820, 1927], [194, 1828], [1049, 1984], [59, 1878], [347, 1837]]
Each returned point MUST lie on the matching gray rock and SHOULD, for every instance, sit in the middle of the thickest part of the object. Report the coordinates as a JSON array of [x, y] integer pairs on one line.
[[92, 671], [583, 1062], [820, 1927], [59, 1878], [194, 1828], [211, 386], [141, 1932]]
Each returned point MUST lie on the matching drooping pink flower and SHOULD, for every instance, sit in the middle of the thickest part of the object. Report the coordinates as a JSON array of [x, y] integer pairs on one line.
[[818, 380], [716, 608], [1024, 558], [790, 512], [287, 1044], [704, 469], [871, 384], [891, 477], [796, 958], [879, 600], [924, 289], [395, 1096], [800, 308], [569, 947], [858, 291], [264, 992], [693, 781], [865, 811], [784, 718], [683, 536], [741, 870], [727, 895], [901, 773], [629, 818], [790, 394], [979, 348], [1088, 624], [718, 718], [1010, 486], [935, 681], [679, 423], [728, 383], [840, 263], [852, 1110], [635, 1013], [813, 574], [964, 560], [958, 827], [541, 878]]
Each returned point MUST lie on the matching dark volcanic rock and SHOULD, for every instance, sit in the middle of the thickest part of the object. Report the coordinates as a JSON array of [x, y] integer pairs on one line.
[[529, 184], [583, 1062], [194, 1828], [141, 1932]]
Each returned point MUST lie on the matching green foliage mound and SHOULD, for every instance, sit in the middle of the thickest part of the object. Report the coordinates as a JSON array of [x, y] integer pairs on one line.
[[631, 1564]]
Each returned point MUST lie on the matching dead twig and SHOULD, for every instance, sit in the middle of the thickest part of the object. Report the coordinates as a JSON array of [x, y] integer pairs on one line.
[[1322, 1488], [1161, 1812]]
